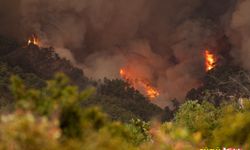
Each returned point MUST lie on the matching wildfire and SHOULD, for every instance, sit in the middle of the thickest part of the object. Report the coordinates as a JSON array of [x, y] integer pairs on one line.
[[210, 59], [33, 40], [151, 91], [138, 84]]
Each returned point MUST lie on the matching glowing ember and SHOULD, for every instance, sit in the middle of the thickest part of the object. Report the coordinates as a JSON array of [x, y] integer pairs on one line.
[[138, 84], [33, 40], [210, 60]]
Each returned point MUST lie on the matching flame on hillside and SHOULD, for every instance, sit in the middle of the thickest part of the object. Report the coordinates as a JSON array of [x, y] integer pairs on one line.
[[140, 84], [33, 40], [210, 60]]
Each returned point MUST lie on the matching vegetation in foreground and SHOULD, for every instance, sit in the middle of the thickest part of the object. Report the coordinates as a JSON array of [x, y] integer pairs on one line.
[[53, 117]]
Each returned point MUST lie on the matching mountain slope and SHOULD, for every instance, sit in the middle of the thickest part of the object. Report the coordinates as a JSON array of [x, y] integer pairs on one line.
[[115, 97], [224, 83]]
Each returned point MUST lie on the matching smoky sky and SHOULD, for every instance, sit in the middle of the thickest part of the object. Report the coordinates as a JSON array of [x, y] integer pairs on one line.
[[160, 40]]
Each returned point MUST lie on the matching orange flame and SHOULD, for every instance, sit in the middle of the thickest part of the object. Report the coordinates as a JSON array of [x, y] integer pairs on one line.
[[122, 73], [33, 40], [150, 91], [210, 59]]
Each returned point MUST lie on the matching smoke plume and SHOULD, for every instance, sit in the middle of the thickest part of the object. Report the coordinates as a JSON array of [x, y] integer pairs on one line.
[[239, 33], [162, 41]]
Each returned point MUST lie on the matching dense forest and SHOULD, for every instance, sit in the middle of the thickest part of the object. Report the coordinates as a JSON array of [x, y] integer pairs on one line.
[[66, 110], [56, 117]]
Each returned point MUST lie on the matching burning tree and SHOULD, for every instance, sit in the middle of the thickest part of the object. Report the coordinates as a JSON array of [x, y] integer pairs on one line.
[[34, 40], [140, 84], [210, 60]]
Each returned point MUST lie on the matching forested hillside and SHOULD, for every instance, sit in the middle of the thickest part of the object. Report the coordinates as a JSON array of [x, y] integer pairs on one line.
[[33, 65], [52, 117], [71, 113]]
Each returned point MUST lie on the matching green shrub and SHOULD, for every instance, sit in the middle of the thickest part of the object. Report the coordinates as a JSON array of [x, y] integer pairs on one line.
[[198, 117]]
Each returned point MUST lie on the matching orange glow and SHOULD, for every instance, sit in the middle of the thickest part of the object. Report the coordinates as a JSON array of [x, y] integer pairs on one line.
[[210, 60], [138, 84], [33, 40], [151, 91], [122, 73]]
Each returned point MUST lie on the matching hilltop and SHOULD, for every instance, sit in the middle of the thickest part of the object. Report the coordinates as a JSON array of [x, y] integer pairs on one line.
[[116, 97]]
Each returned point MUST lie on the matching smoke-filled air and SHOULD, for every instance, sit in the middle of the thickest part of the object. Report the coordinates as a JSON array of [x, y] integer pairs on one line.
[[162, 47], [124, 74]]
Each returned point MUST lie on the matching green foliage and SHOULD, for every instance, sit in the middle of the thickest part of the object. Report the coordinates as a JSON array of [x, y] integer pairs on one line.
[[197, 117], [234, 127], [56, 96], [61, 103], [21, 130], [122, 102], [227, 126], [53, 117], [139, 131], [7, 71]]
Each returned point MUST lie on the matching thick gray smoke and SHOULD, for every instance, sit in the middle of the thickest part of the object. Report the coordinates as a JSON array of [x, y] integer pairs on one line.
[[162, 41], [240, 33]]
